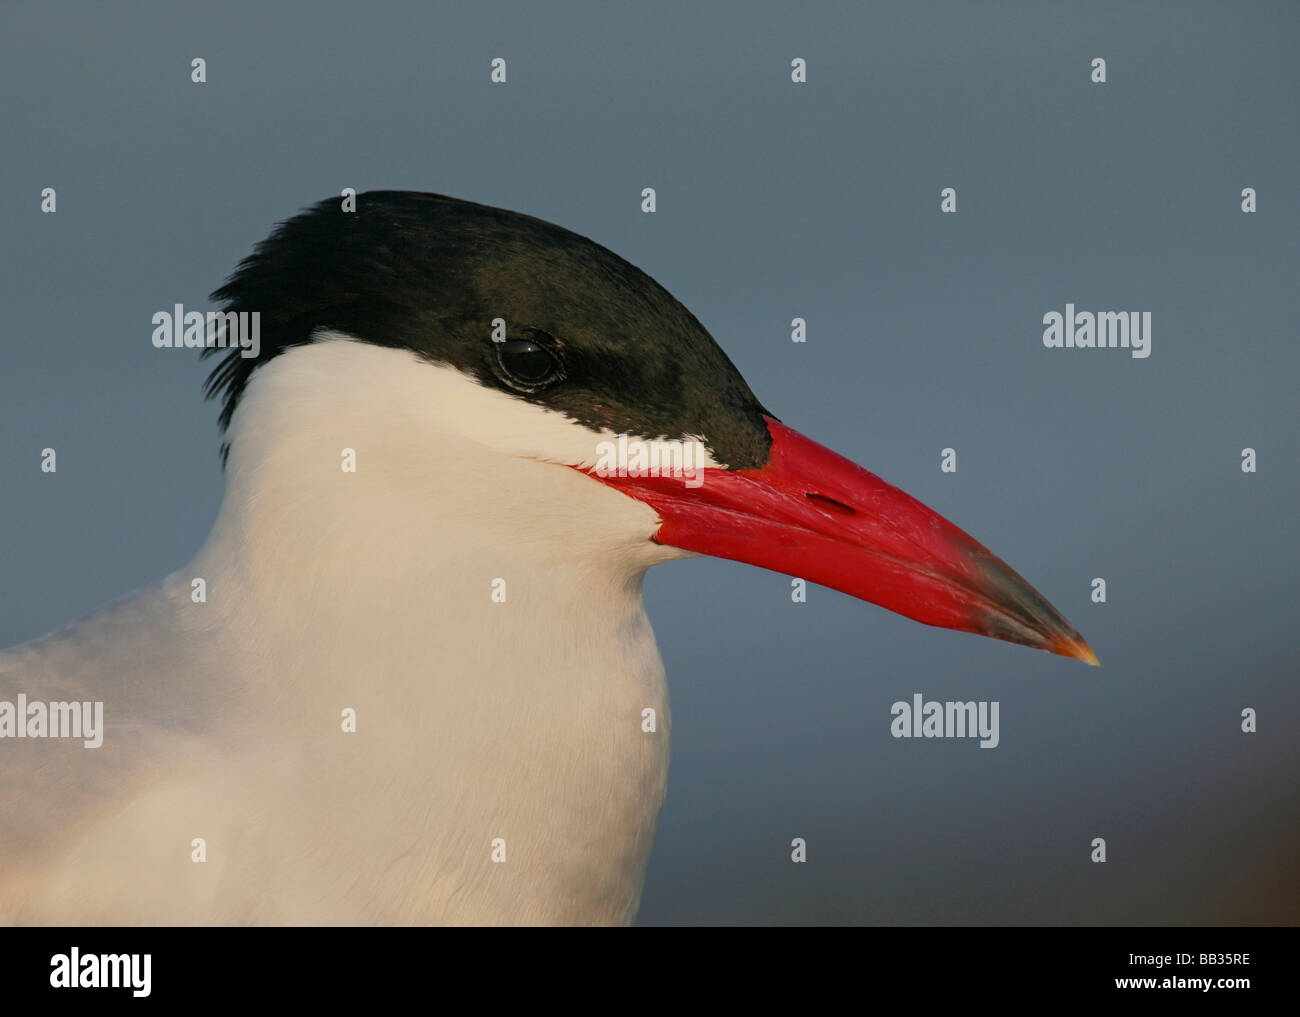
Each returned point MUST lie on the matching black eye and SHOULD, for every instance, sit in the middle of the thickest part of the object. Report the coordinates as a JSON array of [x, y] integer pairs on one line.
[[527, 364]]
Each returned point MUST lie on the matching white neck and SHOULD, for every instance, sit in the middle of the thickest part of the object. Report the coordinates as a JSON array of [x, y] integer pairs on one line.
[[373, 590]]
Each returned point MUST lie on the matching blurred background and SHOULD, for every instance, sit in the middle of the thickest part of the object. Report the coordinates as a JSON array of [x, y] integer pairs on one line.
[[775, 200]]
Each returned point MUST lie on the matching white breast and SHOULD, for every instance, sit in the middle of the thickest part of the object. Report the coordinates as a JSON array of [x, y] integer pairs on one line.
[[479, 723]]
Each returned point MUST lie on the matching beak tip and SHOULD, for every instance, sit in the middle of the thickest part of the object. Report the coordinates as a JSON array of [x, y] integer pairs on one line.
[[1079, 650]]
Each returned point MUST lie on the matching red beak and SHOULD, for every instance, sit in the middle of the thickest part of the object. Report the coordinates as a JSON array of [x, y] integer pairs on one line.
[[813, 514]]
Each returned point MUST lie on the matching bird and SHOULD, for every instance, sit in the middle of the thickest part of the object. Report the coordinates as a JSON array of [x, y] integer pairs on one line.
[[416, 687]]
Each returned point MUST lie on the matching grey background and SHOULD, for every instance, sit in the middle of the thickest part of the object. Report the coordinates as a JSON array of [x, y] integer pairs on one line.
[[775, 200]]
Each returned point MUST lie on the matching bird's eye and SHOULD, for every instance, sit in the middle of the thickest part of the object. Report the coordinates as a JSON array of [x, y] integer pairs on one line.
[[528, 365]]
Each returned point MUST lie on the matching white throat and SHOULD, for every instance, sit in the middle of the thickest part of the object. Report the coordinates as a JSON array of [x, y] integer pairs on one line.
[[486, 727], [478, 607]]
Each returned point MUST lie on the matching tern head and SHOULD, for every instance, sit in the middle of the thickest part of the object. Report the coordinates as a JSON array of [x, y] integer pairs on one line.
[[532, 345]]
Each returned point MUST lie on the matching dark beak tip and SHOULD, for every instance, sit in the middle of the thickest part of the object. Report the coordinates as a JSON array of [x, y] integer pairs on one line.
[[1079, 650]]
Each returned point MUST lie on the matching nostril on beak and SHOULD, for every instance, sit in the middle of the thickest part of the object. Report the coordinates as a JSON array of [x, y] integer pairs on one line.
[[830, 504]]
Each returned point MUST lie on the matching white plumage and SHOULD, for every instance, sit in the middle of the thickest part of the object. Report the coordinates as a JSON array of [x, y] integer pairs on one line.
[[370, 590]]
